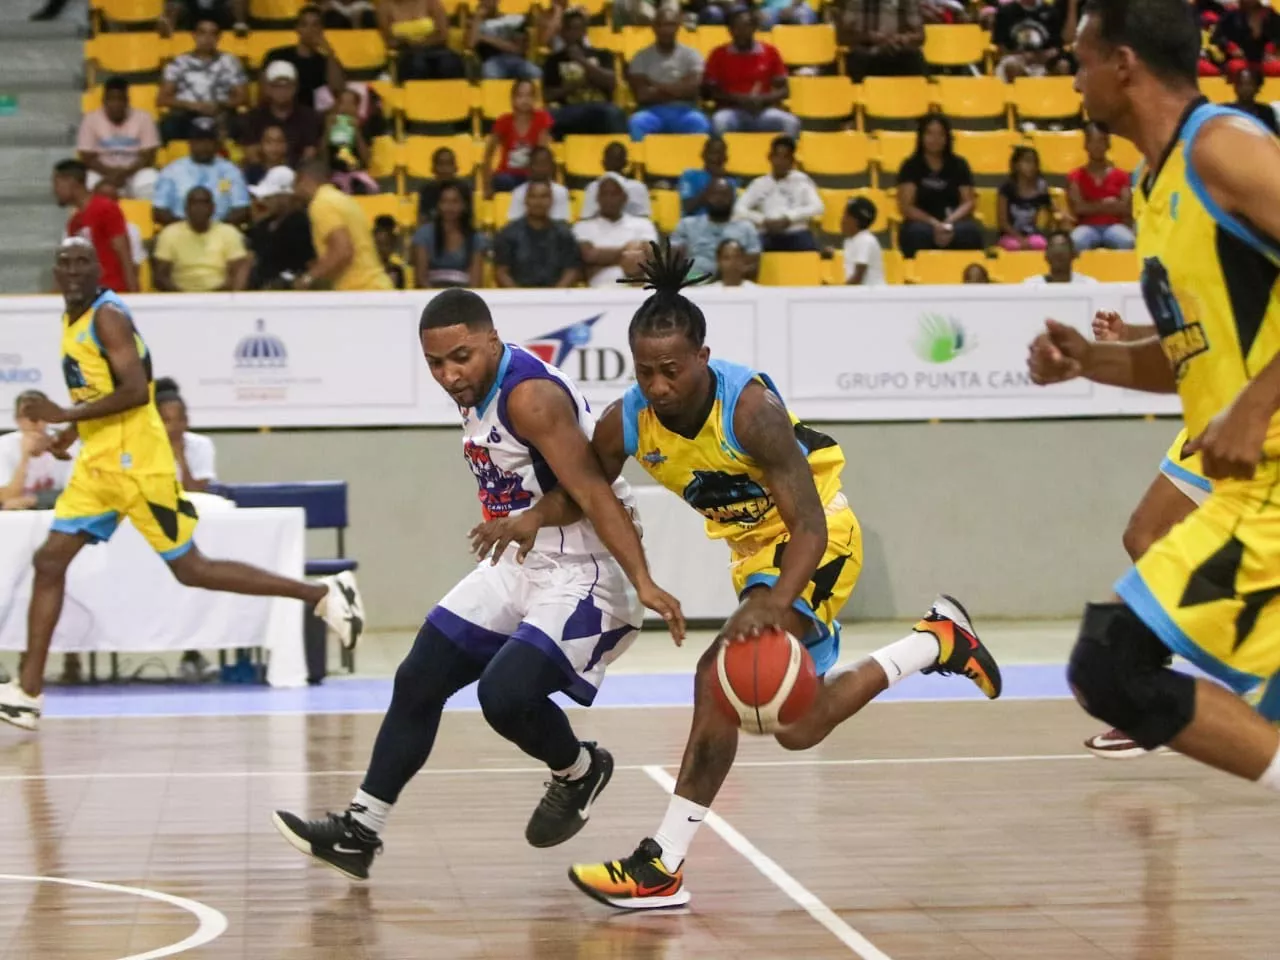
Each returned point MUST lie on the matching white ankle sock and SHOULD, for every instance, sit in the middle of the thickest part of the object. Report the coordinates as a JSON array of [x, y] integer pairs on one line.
[[679, 826], [322, 604], [579, 768], [1271, 776], [370, 812], [909, 655]]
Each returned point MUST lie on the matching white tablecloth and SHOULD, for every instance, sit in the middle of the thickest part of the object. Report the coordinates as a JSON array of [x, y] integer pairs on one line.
[[122, 598], [681, 557]]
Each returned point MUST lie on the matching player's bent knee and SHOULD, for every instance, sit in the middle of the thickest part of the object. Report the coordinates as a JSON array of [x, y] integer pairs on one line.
[[188, 569], [1117, 674]]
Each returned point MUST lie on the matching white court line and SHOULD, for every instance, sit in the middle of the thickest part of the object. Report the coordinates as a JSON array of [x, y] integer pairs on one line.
[[469, 771], [851, 938], [211, 923]]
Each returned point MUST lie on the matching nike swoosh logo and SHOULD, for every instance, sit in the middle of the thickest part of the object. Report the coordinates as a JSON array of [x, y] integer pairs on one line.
[[695, 819], [643, 891], [338, 848], [585, 812]]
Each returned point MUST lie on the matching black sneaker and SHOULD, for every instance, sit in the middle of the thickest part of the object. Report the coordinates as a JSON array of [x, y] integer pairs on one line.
[[566, 806], [336, 840]]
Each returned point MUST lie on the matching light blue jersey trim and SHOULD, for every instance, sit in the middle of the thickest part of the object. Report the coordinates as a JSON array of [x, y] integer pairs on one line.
[[822, 643], [1171, 469], [1133, 591], [98, 528], [1269, 706], [633, 402], [731, 380], [483, 405], [168, 556]]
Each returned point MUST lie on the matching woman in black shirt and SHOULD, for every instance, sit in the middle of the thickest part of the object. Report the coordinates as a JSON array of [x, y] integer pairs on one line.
[[935, 194], [1247, 84]]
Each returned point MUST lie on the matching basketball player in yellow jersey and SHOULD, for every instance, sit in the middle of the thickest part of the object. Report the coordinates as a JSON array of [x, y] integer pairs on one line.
[[1208, 242], [126, 469], [719, 436]]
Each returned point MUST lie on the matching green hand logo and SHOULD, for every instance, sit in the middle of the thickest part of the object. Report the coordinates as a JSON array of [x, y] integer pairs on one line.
[[940, 339]]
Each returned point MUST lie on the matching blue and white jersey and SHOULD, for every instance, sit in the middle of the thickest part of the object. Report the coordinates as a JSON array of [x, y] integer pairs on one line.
[[512, 474]]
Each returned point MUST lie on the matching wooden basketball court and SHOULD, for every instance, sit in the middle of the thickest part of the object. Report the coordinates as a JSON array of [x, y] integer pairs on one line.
[[920, 831]]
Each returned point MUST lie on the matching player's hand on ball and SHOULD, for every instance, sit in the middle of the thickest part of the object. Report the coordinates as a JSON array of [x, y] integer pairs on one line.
[[491, 538], [754, 614], [1058, 354], [1231, 445], [666, 606], [1108, 327]]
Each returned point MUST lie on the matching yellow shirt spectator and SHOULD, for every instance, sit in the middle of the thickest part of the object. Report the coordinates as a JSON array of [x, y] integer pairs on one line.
[[199, 261], [330, 210]]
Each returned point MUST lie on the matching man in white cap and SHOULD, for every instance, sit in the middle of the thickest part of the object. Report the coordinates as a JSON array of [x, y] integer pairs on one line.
[[278, 106], [280, 237], [613, 243]]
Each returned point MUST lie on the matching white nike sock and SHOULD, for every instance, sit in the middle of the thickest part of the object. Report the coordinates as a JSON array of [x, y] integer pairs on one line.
[[370, 812], [678, 829], [1271, 776], [909, 655], [579, 768]]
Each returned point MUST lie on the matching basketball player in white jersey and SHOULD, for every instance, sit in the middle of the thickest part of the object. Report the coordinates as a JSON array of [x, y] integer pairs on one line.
[[524, 630]]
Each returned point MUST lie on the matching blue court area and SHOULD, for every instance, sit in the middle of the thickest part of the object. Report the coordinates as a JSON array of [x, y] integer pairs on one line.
[[1027, 681]]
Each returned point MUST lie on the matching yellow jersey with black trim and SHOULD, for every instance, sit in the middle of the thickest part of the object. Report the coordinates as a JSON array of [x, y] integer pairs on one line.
[[135, 440], [1209, 280], [713, 474]]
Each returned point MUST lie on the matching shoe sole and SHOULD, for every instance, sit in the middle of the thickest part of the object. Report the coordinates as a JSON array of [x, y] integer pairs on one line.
[[584, 815], [632, 903], [22, 720], [304, 846], [1128, 753]]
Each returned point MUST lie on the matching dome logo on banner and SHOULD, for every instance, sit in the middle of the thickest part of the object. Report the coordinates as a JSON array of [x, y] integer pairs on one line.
[[261, 350]]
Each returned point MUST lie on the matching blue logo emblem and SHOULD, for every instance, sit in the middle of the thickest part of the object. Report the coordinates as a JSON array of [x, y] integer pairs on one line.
[[654, 457], [553, 347], [261, 350]]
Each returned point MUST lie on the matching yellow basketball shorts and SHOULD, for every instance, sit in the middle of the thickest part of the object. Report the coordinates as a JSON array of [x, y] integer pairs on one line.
[[1206, 588], [95, 501], [1185, 473], [830, 589]]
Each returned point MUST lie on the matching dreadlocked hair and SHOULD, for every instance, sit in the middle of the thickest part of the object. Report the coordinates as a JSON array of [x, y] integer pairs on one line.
[[666, 273]]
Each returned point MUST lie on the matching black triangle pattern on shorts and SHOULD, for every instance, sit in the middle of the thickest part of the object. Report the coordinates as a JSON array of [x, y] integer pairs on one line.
[[1215, 579], [167, 518], [187, 509]]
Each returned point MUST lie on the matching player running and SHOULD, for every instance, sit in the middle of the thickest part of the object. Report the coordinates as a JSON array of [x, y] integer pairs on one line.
[[126, 469], [719, 436], [523, 630]]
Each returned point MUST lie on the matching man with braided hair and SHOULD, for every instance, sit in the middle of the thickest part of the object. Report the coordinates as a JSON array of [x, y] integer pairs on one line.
[[719, 436]]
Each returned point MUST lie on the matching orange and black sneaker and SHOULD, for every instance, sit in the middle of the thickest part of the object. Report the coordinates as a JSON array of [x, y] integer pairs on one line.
[[959, 649], [638, 882]]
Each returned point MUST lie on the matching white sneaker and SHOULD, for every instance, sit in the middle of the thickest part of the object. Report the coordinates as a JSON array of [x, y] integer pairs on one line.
[[343, 610], [18, 708]]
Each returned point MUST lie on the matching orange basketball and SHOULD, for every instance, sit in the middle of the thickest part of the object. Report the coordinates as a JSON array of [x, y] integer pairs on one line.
[[766, 682]]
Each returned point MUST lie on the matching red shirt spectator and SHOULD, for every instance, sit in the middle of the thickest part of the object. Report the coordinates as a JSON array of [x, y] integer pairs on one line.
[[744, 72], [1113, 184], [100, 221], [514, 145]]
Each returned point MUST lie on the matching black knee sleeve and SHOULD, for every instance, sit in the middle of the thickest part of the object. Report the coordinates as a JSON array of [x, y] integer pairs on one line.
[[1118, 674], [514, 693]]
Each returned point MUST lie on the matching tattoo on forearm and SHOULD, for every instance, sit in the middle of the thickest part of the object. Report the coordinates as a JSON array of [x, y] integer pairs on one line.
[[770, 439]]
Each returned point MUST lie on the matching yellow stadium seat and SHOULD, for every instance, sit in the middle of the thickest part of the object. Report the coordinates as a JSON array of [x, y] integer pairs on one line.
[[358, 50], [666, 209], [384, 157], [1014, 266], [495, 97], [706, 38], [1123, 154], [379, 204], [954, 45], [836, 153], [274, 10], [667, 155], [833, 270], [437, 101], [129, 12], [1045, 98], [515, 8], [634, 39], [576, 198], [971, 98], [171, 151], [894, 99], [417, 153], [392, 96], [892, 148], [605, 38], [834, 202], [988, 150], [584, 152], [138, 212], [805, 46], [1060, 153], [125, 53], [791, 269], [748, 153], [262, 42], [1270, 91], [895, 271], [1109, 266], [499, 210], [941, 266], [1217, 89], [987, 208], [821, 98]]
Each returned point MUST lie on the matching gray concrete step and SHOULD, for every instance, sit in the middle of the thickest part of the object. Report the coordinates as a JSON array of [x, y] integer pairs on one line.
[[44, 118], [25, 171], [52, 64], [31, 231], [25, 277]]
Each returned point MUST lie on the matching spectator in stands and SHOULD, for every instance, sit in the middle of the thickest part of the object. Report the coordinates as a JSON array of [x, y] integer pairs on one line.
[[448, 251], [419, 30], [542, 169], [373, 122], [1247, 84], [694, 184], [205, 83], [665, 79], [501, 41], [386, 238], [1060, 254], [118, 143], [863, 258], [701, 234], [748, 82], [1031, 36], [194, 452], [885, 38], [733, 266], [280, 237], [975, 273], [774, 12], [1248, 34], [1100, 197], [201, 168], [348, 151], [187, 14], [444, 169], [350, 14], [782, 202], [512, 140], [200, 254], [279, 107], [98, 218], [578, 82], [30, 476], [348, 259], [311, 57], [935, 193], [615, 161], [1023, 206], [535, 250], [613, 244], [272, 151]]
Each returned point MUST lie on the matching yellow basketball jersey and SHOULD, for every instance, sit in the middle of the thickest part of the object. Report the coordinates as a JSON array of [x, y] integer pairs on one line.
[[1209, 280], [713, 474], [133, 441]]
